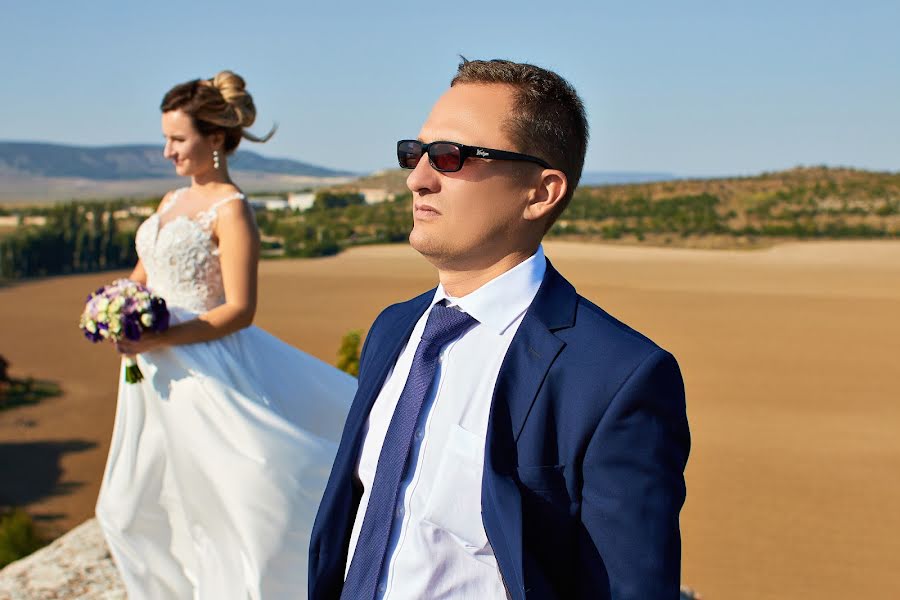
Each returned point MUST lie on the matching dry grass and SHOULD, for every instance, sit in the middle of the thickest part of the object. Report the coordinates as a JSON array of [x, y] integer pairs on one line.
[[789, 356]]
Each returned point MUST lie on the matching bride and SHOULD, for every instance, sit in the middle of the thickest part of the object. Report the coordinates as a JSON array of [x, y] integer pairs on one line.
[[220, 455]]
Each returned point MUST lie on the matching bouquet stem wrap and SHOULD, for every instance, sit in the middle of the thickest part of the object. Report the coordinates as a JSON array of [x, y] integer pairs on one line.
[[132, 371]]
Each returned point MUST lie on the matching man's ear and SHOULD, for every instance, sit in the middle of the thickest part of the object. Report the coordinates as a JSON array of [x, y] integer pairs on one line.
[[546, 197]]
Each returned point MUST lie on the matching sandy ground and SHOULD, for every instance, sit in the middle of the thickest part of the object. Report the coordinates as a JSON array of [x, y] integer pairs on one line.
[[790, 362]]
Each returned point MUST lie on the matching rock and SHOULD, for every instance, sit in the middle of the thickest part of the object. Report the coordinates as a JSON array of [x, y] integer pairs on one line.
[[75, 566], [78, 566]]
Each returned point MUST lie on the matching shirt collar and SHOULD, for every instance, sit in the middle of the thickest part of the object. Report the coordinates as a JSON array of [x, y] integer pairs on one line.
[[502, 300]]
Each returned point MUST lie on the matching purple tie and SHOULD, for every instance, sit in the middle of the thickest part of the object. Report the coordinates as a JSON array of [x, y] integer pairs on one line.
[[443, 326]]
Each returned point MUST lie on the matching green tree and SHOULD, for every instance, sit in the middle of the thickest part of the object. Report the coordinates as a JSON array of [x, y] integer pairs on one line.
[[326, 199], [348, 354]]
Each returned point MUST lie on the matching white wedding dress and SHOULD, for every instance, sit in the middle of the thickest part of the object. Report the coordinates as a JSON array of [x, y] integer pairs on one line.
[[219, 457]]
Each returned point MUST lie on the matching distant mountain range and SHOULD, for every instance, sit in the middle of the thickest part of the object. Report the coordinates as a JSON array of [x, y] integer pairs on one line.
[[145, 161], [37, 172], [116, 163], [42, 172]]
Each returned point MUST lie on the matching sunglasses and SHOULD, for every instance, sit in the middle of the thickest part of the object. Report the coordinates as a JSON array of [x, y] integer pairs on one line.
[[448, 157]]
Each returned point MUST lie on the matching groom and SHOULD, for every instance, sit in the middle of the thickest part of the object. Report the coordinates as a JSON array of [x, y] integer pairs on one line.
[[509, 439]]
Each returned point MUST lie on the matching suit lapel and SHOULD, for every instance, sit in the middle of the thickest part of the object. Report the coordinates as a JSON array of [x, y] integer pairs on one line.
[[528, 360], [382, 351], [525, 366], [534, 348]]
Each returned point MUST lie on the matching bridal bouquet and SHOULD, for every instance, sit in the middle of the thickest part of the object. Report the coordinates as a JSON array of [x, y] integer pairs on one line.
[[121, 310]]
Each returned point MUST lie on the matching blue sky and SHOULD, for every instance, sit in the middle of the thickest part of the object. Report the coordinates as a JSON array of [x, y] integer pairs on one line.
[[692, 88]]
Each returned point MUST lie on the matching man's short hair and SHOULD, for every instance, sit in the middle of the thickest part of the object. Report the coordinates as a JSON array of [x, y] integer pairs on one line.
[[548, 119]]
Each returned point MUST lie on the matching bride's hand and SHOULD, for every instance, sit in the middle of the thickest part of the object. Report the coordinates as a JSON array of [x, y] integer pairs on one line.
[[149, 341]]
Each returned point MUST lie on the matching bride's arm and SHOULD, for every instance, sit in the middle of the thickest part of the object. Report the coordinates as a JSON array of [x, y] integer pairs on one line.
[[139, 274], [239, 256]]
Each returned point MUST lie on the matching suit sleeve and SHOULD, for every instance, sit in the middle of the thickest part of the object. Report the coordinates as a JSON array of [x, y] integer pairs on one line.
[[633, 477]]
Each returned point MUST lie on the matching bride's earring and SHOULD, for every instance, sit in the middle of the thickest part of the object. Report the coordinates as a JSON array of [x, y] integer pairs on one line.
[[216, 160]]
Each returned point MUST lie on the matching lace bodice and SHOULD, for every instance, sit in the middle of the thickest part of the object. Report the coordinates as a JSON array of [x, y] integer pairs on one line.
[[180, 257]]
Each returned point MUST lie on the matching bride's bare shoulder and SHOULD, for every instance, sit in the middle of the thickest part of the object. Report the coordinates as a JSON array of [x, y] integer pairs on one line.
[[235, 208], [167, 200]]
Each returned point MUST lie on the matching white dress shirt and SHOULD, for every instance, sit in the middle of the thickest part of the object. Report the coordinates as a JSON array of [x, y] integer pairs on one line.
[[438, 547]]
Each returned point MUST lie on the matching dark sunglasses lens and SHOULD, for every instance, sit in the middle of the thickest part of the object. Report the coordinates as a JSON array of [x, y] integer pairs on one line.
[[408, 153], [445, 157]]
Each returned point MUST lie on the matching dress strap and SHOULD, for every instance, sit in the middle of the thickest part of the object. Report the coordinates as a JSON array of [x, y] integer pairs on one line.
[[208, 216], [172, 200], [225, 200]]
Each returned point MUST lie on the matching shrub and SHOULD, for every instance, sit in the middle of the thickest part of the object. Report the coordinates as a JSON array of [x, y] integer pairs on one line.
[[348, 354], [18, 536]]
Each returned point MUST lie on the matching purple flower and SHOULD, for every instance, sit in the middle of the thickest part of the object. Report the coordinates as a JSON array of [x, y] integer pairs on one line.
[[132, 327], [160, 314], [94, 337]]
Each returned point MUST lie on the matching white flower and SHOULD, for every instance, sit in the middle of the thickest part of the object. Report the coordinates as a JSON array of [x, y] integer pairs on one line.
[[102, 305], [115, 325], [117, 304], [90, 326], [147, 319], [102, 317]]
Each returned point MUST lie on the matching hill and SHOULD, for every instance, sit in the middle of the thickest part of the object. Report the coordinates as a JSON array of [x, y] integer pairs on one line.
[[801, 203], [31, 171], [31, 159]]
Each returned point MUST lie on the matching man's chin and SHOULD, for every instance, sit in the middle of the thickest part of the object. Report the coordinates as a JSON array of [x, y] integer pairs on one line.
[[426, 245], [419, 241]]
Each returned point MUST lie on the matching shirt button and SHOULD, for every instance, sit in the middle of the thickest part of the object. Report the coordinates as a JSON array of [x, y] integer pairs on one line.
[[400, 511], [382, 588], [420, 433]]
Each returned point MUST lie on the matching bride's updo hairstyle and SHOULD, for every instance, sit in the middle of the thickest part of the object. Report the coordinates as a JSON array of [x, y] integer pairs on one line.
[[218, 104]]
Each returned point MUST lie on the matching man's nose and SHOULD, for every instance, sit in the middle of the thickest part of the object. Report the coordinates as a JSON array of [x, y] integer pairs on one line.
[[424, 179]]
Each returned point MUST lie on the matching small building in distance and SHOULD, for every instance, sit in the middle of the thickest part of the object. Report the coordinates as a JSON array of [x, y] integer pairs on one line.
[[13, 220], [301, 200], [375, 195], [141, 211], [134, 211], [268, 202], [305, 200]]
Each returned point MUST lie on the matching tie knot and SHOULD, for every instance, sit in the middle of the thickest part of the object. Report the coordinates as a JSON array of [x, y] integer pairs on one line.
[[445, 324]]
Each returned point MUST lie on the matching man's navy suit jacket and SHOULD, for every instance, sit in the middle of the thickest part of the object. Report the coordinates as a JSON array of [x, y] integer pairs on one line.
[[586, 446]]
